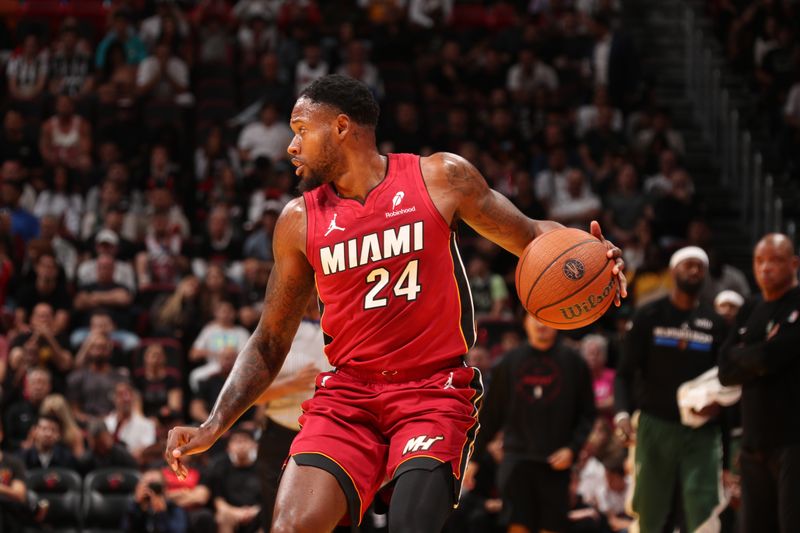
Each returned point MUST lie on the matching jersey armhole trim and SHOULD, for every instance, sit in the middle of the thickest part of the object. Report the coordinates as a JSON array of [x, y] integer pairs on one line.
[[426, 196], [310, 229]]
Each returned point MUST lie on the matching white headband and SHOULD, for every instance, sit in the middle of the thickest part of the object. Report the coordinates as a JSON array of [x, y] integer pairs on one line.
[[729, 297], [689, 252]]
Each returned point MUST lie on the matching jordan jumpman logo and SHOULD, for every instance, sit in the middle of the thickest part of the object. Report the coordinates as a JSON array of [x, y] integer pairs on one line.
[[333, 226]]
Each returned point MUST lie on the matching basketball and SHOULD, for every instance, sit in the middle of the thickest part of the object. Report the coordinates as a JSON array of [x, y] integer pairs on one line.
[[564, 278]]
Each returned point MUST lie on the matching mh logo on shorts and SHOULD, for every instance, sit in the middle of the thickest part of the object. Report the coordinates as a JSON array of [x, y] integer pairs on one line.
[[421, 443]]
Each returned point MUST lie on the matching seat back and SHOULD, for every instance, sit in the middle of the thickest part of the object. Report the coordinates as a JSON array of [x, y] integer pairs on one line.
[[61, 487], [106, 495]]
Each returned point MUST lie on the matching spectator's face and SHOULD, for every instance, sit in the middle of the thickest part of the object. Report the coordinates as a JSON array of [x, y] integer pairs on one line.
[[100, 350], [64, 107], [406, 115], [540, 336], [121, 26], [37, 386], [242, 449], [268, 222], [626, 179], [101, 324], [218, 223], [109, 194], [13, 125], [575, 183], [102, 443], [557, 160], [154, 357], [457, 121], [69, 39], [594, 354], [478, 267], [269, 66], [727, 310], [689, 275], [47, 434], [215, 278], [161, 199], [42, 317], [12, 171], [162, 52], [49, 227], [478, 356], [10, 193], [105, 269], [31, 45], [123, 398], [667, 162], [47, 271], [681, 186], [269, 115], [312, 55], [225, 314]]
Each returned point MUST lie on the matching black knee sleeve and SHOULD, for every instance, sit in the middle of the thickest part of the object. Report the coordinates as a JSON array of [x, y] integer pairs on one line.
[[422, 500]]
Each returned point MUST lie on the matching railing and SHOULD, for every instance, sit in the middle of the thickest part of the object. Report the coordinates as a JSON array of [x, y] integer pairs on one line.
[[760, 208]]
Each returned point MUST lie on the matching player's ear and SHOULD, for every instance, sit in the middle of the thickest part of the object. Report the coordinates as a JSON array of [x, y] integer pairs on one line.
[[343, 125]]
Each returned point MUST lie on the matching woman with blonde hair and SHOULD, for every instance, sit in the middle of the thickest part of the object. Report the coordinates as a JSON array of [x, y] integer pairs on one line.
[[56, 405]]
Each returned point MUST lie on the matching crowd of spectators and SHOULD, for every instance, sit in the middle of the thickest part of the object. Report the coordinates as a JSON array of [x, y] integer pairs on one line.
[[761, 39], [143, 168]]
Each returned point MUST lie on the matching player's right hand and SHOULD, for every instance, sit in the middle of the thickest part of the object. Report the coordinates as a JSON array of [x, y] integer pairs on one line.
[[183, 441]]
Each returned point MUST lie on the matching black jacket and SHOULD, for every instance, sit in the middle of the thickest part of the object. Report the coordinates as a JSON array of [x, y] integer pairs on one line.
[[542, 401], [767, 369]]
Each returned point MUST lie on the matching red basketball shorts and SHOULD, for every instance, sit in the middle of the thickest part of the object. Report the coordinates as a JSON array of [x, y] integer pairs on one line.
[[368, 429]]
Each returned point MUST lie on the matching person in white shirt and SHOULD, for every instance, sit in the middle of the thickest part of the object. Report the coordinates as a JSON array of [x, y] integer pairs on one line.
[[310, 68], [268, 137], [219, 335], [163, 76], [126, 422], [529, 74]]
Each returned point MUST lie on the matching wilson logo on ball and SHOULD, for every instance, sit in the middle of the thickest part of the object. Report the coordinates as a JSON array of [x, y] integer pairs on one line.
[[574, 269], [587, 305]]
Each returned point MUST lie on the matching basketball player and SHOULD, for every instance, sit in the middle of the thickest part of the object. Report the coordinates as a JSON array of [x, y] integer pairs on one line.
[[374, 233]]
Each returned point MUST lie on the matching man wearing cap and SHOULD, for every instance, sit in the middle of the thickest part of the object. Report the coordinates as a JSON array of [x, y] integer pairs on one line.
[[670, 341], [106, 243], [761, 354]]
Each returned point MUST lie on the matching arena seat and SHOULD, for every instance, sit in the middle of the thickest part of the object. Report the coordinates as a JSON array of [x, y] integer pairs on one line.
[[61, 487], [106, 493]]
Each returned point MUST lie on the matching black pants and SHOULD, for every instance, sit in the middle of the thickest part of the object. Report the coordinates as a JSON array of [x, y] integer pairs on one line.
[[771, 490], [273, 449]]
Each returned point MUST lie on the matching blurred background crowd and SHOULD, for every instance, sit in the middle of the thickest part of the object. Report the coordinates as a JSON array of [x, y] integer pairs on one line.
[[143, 167]]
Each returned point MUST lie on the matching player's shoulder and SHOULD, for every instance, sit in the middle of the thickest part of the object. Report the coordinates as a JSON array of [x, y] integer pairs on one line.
[[291, 225], [443, 161]]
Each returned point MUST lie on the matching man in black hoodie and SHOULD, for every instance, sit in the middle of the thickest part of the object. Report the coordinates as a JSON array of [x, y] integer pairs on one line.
[[541, 398], [762, 355]]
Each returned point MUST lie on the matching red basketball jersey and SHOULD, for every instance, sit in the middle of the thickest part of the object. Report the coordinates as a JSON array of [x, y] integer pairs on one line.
[[391, 283]]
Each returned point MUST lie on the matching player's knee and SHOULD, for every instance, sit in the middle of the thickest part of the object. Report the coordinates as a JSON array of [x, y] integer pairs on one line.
[[293, 521]]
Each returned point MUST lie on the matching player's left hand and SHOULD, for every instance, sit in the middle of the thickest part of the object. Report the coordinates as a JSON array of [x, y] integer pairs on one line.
[[561, 459], [616, 254]]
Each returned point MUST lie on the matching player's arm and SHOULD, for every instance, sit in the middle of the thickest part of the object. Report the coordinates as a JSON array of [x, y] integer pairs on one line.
[[288, 291], [459, 187], [488, 212]]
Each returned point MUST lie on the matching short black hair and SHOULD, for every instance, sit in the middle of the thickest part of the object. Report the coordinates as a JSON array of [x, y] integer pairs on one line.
[[54, 419], [350, 96]]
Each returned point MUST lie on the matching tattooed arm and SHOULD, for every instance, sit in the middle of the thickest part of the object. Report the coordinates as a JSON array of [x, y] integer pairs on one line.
[[460, 192], [288, 291]]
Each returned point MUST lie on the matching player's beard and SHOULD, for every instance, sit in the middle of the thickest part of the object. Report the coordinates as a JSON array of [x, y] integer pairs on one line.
[[323, 172], [689, 287]]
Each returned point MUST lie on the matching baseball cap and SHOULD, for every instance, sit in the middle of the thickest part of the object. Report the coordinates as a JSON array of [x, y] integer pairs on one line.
[[107, 236]]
